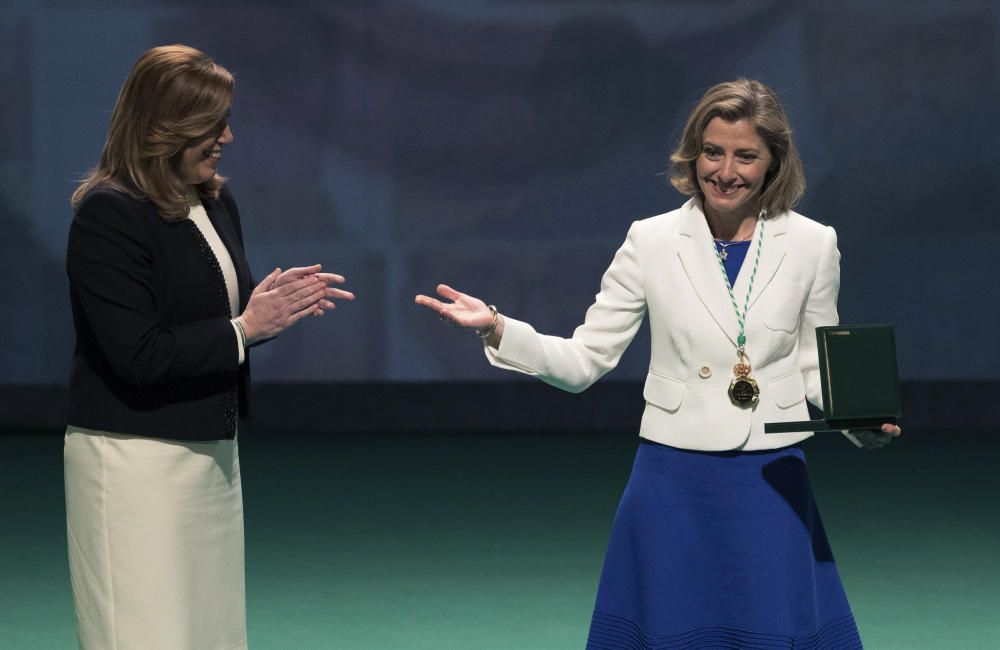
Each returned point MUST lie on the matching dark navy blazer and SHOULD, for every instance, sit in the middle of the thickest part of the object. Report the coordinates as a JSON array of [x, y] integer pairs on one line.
[[155, 352]]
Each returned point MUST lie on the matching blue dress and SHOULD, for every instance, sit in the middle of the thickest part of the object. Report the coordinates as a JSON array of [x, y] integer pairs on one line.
[[720, 550]]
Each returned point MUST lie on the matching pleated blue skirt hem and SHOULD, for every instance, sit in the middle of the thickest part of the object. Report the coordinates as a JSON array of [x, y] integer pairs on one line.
[[609, 632], [720, 550]]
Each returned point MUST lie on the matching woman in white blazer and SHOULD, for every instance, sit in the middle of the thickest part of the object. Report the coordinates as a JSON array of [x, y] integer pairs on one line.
[[717, 541]]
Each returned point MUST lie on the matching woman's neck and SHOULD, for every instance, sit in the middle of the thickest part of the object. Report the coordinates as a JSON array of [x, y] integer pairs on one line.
[[732, 227]]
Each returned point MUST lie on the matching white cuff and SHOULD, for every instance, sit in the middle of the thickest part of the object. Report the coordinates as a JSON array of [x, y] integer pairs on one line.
[[239, 341]]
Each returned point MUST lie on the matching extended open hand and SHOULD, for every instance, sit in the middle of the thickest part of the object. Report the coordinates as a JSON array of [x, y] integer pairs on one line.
[[460, 309]]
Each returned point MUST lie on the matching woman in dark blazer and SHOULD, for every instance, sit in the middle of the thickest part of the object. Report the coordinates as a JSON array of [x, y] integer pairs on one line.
[[165, 313], [717, 541]]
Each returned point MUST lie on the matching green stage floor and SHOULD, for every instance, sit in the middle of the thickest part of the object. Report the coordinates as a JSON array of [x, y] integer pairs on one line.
[[496, 541]]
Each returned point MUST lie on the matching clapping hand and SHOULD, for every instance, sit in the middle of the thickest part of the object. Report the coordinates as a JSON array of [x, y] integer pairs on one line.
[[325, 304], [284, 298]]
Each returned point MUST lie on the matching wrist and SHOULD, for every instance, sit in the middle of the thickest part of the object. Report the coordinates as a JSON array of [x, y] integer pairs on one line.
[[485, 332], [250, 333], [240, 331], [493, 340], [492, 333]]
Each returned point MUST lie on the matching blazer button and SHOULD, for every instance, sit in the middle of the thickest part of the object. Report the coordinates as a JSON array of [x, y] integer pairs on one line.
[[705, 372]]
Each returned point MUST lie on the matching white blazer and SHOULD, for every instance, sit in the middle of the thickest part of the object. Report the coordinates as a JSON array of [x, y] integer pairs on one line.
[[667, 267]]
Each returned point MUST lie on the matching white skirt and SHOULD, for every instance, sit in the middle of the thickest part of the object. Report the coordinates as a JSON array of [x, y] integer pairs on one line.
[[155, 531]]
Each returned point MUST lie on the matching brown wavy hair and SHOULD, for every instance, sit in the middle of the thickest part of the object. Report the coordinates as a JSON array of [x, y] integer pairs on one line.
[[743, 99], [174, 97]]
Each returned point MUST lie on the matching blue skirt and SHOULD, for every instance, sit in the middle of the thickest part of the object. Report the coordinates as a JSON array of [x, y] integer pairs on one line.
[[719, 550]]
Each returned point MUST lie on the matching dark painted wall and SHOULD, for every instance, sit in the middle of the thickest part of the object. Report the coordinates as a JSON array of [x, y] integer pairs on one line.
[[504, 147]]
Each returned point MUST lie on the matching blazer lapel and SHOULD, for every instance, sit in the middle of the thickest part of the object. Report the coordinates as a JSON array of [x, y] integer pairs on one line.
[[694, 248], [772, 253]]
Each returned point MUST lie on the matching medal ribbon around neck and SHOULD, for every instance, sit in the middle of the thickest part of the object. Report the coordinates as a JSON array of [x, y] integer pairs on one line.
[[743, 390], [741, 339]]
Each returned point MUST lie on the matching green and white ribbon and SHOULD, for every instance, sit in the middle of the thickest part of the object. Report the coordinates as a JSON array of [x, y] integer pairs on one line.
[[741, 339]]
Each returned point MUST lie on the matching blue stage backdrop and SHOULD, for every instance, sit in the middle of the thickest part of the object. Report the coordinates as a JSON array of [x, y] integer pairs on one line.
[[504, 148]]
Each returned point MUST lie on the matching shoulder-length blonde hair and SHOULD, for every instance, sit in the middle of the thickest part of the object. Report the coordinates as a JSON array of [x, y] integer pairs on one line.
[[174, 97], [743, 99]]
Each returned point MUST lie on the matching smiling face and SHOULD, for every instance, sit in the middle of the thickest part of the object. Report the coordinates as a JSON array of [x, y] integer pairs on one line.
[[199, 161], [731, 168]]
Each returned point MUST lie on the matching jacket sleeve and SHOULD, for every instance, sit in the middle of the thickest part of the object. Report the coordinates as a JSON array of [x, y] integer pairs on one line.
[[110, 266], [820, 310], [596, 346]]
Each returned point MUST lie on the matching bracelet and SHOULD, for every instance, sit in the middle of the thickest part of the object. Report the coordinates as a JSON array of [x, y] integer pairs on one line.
[[243, 333], [486, 333]]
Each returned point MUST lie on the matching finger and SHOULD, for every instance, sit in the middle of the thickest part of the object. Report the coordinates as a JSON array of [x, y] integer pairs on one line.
[[444, 312], [331, 277], [339, 293], [435, 305], [447, 292], [891, 429], [297, 316], [305, 310], [314, 292], [326, 305], [292, 289], [269, 280], [305, 301], [455, 317], [265, 284], [302, 271], [430, 303]]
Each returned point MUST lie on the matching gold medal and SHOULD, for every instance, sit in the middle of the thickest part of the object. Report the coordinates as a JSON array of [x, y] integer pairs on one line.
[[743, 389]]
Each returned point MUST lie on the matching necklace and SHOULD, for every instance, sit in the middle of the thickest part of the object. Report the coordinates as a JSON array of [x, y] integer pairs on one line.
[[724, 246], [743, 389]]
